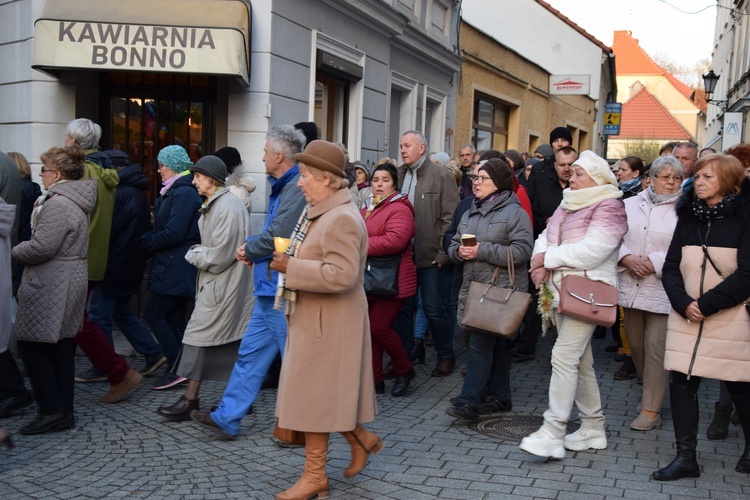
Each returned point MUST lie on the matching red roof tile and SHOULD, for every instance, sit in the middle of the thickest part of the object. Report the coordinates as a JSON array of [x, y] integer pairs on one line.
[[630, 58], [644, 117]]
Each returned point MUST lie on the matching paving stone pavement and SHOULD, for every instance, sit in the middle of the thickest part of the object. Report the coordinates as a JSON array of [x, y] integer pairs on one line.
[[127, 450]]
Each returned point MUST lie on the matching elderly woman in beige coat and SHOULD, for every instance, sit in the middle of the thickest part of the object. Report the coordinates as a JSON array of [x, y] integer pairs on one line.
[[212, 337], [326, 382]]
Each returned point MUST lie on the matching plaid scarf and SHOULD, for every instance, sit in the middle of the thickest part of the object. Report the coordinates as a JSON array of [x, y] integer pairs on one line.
[[285, 297]]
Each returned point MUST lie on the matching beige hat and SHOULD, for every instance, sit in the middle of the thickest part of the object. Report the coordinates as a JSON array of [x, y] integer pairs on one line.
[[323, 155], [597, 168]]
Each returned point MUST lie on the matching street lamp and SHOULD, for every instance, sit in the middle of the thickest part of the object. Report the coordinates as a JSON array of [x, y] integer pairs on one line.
[[709, 84]]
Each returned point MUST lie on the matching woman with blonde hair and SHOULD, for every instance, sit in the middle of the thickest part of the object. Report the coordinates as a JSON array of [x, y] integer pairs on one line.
[[707, 277]]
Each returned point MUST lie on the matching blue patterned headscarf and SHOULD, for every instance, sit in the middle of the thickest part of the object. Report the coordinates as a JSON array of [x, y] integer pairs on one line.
[[175, 158]]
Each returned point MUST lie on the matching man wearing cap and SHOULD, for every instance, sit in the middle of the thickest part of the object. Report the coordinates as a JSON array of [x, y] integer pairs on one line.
[[432, 191], [265, 335], [545, 189]]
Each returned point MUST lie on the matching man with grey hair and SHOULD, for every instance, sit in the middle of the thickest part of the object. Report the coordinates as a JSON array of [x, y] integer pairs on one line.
[[687, 154], [108, 365], [265, 335], [432, 191], [466, 158]]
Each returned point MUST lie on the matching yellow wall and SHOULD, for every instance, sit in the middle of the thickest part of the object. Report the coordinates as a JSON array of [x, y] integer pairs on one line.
[[492, 69]]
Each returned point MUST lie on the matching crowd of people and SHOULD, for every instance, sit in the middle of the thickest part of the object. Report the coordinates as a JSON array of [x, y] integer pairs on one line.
[[355, 262]]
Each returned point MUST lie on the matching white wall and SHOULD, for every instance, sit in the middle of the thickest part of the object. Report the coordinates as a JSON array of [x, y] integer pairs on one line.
[[538, 35]]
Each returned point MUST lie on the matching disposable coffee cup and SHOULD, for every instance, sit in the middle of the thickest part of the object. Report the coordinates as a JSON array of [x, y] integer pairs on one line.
[[468, 240]]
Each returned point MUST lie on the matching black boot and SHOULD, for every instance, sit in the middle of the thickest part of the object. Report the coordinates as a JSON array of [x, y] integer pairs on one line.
[[719, 427], [742, 408], [685, 417], [417, 354]]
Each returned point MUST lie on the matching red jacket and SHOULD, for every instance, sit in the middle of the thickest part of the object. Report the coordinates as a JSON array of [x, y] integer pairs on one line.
[[390, 229]]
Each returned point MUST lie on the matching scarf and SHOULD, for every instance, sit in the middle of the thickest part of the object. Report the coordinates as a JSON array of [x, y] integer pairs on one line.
[[656, 199], [704, 213], [577, 199], [487, 198], [168, 183], [411, 173], [373, 201], [285, 297], [631, 187]]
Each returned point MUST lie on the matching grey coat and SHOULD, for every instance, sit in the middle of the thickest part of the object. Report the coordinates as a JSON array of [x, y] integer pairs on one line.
[[497, 224], [52, 295], [7, 216], [222, 300]]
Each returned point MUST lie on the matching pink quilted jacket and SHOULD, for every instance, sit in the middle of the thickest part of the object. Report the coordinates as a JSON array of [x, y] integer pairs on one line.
[[585, 240]]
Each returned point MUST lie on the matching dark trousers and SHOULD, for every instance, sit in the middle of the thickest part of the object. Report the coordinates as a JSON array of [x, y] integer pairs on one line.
[[165, 314], [532, 324], [488, 365], [11, 381], [432, 281], [96, 346], [384, 338], [51, 370]]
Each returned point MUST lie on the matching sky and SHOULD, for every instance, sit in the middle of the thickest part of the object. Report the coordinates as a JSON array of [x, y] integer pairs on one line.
[[683, 36]]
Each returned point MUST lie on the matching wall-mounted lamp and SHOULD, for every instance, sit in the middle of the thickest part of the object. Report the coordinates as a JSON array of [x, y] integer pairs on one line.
[[709, 84]]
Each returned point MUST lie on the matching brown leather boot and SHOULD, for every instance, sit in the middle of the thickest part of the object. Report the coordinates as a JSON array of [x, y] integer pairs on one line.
[[444, 367], [180, 411], [118, 391], [362, 443], [314, 480]]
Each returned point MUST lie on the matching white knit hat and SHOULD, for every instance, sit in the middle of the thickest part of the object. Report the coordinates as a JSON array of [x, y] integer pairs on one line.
[[597, 168]]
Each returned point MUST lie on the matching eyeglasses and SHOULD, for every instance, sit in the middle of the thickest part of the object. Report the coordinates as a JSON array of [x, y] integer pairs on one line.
[[667, 178], [45, 169], [478, 178]]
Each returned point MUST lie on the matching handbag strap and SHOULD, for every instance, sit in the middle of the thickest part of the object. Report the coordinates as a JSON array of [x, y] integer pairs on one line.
[[511, 271], [705, 252]]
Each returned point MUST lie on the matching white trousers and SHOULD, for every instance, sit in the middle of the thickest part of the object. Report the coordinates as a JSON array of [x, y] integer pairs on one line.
[[573, 378]]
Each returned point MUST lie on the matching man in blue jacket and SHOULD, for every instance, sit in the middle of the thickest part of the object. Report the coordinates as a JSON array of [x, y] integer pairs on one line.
[[265, 336]]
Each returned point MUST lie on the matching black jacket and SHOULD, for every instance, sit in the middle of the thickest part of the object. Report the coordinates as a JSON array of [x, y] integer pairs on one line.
[[545, 192], [130, 220], [731, 230]]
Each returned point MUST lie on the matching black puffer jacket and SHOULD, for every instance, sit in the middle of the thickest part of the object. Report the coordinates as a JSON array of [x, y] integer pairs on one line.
[[130, 220]]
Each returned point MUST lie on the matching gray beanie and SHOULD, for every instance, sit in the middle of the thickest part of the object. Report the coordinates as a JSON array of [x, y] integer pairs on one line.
[[212, 166]]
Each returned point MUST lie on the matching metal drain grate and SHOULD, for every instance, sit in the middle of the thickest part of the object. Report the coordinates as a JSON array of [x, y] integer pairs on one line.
[[513, 427]]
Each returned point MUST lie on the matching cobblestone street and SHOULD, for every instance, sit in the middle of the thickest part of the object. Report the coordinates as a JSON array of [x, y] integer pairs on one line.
[[127, 450]]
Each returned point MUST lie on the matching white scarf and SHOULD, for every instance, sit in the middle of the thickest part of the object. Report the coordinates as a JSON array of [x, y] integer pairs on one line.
[[577, 199]]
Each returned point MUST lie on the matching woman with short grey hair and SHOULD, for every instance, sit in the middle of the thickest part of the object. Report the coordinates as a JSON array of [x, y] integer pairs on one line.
[[651, 222]]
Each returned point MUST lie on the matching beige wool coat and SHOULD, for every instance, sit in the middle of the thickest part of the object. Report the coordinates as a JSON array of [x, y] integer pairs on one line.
[[326, 382]]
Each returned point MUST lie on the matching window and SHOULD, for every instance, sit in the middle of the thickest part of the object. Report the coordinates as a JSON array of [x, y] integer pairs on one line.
[[332, 108], [148, 111], [402, 111], [490, 125]]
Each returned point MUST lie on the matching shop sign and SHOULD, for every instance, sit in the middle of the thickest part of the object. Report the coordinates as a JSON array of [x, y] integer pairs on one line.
[[101, 45], [569, 84]]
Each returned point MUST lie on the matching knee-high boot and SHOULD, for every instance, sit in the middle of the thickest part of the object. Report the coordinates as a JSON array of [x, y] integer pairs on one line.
[[685, 418], [742, 406], [362, 443], [314, 480]]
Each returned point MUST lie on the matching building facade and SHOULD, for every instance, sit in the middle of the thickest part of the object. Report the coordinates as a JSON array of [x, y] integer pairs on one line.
[[211, 73], [506, 94], [727, 118]]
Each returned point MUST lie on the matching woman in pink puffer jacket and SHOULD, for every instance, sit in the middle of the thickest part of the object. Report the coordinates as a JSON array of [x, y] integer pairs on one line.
[[583, 237]]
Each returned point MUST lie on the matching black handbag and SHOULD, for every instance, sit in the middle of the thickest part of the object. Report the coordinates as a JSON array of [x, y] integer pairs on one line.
[[381, 275]]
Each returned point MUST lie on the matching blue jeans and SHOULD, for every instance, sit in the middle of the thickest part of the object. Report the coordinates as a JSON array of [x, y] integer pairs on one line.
[[420, 320], [488, 364], [104, 309], [165, 314], [264, 338], [431, 283]]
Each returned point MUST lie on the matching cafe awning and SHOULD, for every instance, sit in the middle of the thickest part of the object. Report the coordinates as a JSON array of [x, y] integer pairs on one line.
[[175, 36]]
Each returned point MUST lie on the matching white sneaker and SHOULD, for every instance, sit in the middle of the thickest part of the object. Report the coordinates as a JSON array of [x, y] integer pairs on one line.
[[586, 438], [543, 444]]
